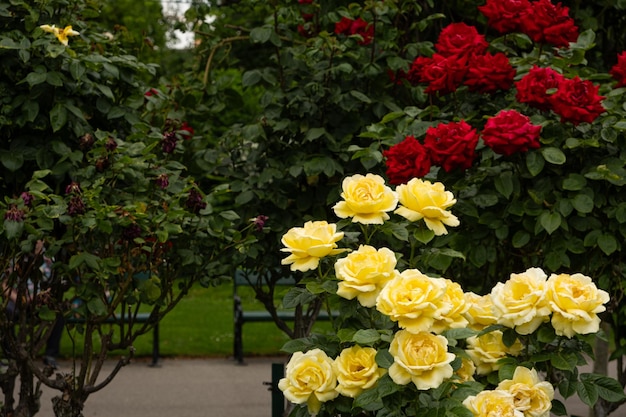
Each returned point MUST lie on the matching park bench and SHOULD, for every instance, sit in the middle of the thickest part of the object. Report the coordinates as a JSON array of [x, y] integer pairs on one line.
[[242, 316]]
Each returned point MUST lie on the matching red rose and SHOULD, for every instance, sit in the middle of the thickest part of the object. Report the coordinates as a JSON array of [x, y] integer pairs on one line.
[[510, 132], [549, 23], [489, 72], [618, 71], [452, 145], [577, 101], [505, 15], [408, 159], [442, 74], [305, 1], [460, 39], [532, 88], [359, 27], [186, 130]]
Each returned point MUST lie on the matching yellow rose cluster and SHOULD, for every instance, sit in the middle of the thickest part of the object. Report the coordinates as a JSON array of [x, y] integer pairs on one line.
[[424, 307], [523, 396]]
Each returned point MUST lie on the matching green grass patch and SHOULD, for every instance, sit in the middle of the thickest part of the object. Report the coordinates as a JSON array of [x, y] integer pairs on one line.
[[202, 326]]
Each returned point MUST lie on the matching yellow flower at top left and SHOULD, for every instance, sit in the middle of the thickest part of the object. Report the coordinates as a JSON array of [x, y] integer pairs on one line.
[[366, 199], [308, 244], [61, 34]]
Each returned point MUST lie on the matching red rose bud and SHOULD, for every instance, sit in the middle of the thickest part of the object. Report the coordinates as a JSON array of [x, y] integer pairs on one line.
[[168, 142], [187, 130], [406, 160], [131, 232], [452, 145], [76, 206], [510, 132], [86, 141], [27, 198], [194, 201], [73, 188], [533, 88], [505, 16], [110, 144], [163, 181], [459, 39], [259, 222], [577, 101], [618, 71]]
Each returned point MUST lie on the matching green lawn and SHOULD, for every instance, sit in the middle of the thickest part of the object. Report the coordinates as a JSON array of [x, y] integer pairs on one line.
[[202, 325]]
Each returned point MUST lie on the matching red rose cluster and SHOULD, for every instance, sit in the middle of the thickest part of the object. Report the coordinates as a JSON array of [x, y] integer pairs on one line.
[[462, 58], [575, 100], [453, 145], [348, 27], [541, 20]]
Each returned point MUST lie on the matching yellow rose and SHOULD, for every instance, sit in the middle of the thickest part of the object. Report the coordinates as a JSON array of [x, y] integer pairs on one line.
[[575, 302], [364, 273], [480, 313], [421, 199], [356, 370], [421, 358], [61, 34], [452, 307], [308, 244], [496, 403], [309, 378], [487, 349], [366, 199], [466, 371], [413, 300], [531, 395], [520, 302]]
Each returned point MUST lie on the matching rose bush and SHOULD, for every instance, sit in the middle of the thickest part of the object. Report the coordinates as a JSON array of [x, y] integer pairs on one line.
[[403, 339]]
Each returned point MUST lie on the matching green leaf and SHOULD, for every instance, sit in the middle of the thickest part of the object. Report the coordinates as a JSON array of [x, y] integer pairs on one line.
[[424, 235], [504, 184], [550, 221], [13, 229], [553, 155], [520, 239], [574, 182], [384, 359], [54, 78], [534, 163], [314, 133], [587, 392], [360, 96], [366, 337], [607, 243], [77, 69], [58, 117], [261, 34], [96, 306], [607, 388], [35, 78], [297, 296], [250, 78], [12, 161], [583, 203]]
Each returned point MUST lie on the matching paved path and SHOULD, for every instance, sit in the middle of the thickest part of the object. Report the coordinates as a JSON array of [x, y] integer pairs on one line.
[[181, 388], [215, 387]]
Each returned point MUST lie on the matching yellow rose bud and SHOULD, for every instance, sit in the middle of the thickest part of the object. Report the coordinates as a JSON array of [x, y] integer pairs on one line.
[[492, 403], [356, 370], [308, 244], [575, 302], [366, 199], [520, 302], [480, 313], [364, 273], [531, 395], [309, 378], [421, 358], [421, 199], [453, 307], [413, 300], [487, 349]]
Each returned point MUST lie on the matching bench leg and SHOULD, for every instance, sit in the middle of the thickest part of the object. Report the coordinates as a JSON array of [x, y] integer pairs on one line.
[[238, 343], [155, 345]]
